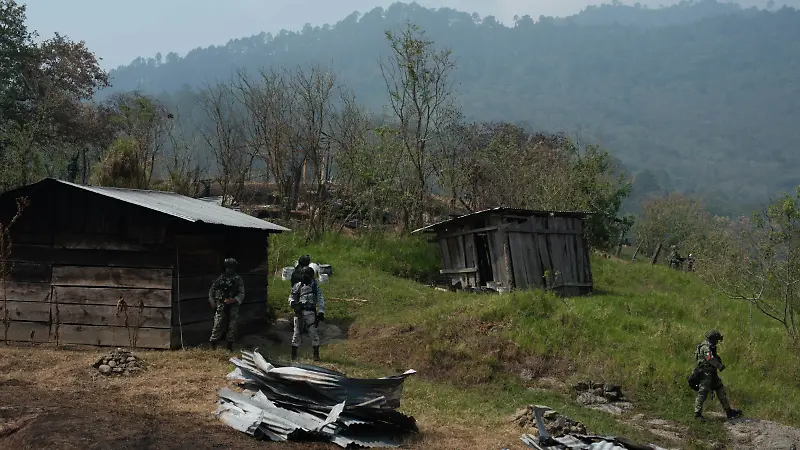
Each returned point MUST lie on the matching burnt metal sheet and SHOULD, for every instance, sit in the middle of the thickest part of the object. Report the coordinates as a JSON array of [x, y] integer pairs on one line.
[[583, 442], [294, 402], [180, 206]]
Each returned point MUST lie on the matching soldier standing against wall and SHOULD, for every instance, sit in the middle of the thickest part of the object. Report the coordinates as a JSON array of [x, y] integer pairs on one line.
[[225, 296], [308, 303]]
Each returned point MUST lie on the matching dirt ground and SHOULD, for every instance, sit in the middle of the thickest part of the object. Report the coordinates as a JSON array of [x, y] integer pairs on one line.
[[53, 399]]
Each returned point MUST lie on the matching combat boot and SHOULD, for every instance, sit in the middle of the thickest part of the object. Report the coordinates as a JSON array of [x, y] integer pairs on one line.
[[294, 353], [316, 353], [213, 345], [731, 413], [699, 416], [230, 346]]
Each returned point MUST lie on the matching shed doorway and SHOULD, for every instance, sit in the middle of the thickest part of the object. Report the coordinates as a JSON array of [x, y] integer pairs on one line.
[[485, 269]]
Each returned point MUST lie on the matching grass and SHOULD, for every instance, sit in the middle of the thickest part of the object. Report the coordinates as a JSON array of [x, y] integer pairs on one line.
[[479, 357], [639, 329]]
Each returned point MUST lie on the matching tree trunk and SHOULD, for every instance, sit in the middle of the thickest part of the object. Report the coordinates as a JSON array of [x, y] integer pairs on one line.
[[657, 253], [636, 252]]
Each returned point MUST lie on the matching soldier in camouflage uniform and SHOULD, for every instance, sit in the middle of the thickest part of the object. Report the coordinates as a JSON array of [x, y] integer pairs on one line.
[[675, 259], [303, 261], [225, 296], [709, 362], [308, 303]]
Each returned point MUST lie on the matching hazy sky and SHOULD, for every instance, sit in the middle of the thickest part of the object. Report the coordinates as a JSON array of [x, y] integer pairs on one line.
[[119, 31]]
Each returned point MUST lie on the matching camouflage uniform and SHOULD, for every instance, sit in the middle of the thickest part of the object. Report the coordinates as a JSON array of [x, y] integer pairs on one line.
[[309, 304], [226, 317], [709, 362]]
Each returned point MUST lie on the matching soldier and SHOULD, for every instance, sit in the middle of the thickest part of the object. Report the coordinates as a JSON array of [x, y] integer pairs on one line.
[[303, 261], [675, 259], [690, 263], [308, 303], [709, 362], [225, 296]]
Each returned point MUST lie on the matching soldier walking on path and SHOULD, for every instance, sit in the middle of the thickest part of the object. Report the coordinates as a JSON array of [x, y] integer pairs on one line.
[[708, 362], [308, 303], [225, 296]]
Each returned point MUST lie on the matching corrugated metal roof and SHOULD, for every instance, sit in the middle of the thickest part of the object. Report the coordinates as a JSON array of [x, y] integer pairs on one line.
[[180, 206], [502, 209]]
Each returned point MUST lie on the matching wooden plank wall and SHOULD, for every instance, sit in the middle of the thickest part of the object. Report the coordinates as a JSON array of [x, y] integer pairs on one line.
[[551, 244], [200, 259], [70, 276]]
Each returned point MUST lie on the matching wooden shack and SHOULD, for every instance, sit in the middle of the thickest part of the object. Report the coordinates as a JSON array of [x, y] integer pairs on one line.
[[507, 248], [123, 267]]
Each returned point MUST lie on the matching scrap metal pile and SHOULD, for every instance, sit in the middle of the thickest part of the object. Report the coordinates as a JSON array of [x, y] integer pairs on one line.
[[306, 402], [576, 441]]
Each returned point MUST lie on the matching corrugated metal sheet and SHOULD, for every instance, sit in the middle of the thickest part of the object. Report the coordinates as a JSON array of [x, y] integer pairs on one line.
[[500, 209], [182, 207], [304, 401]]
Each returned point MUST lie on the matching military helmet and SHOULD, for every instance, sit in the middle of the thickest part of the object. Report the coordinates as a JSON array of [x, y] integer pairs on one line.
[[304, 260], [307, 273], [714, 336], [229, 262]]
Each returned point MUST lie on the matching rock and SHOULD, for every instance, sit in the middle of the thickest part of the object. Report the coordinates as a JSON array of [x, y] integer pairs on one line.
[[613, 388], [611, 396], [117, 370], [550, 414], [598, 392], [590, 399], [112, 363], [597, 385], [581, 386], [126, 373], [521, 414], [105, 369], [130, 359]]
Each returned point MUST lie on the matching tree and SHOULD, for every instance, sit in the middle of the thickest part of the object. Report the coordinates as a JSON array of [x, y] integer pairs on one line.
[[224, 132], [671, 220], [758, 261], [146, 123], [120, 166], [44, 88], [418, 81]]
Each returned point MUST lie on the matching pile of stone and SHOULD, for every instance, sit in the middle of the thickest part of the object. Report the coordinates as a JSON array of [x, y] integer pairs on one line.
[[119, 362], [556, 424], [603, 397]]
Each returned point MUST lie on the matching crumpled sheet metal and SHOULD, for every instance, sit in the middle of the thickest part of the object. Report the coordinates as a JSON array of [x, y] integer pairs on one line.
[[585, 442], [300, 402]]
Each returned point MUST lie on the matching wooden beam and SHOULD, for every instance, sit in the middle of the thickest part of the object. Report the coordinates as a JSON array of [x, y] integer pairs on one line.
[[112, 277], [28, 292], [95, 242], [110, 336], [110, 296], [458, 271], [108, 315]]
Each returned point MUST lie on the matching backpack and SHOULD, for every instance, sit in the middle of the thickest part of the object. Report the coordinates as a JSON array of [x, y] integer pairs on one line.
[[696, 376]]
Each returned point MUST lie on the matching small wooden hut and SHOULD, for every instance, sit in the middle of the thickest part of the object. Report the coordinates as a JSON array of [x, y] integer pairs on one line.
[[123, 267], [507, 248]]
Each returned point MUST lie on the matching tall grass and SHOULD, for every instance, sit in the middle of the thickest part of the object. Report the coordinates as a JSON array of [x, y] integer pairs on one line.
[[638, 329]]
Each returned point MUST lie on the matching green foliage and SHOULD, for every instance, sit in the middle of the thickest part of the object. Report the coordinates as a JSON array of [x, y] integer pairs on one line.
[[120, 167], [639, 329], [758, 261], [709, 102]]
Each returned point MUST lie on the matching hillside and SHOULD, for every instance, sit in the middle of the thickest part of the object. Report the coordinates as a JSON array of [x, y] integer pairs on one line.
[[698, 105], [479, 358]]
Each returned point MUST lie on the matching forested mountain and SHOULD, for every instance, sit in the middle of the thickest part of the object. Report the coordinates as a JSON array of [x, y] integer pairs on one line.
[[701, 97]]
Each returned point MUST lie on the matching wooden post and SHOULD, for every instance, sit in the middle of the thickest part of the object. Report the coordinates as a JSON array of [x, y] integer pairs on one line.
[[506, 255], [636, 252], [656, 253]]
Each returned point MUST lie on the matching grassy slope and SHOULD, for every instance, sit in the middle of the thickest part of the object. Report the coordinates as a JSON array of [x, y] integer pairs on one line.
[[639, 330]]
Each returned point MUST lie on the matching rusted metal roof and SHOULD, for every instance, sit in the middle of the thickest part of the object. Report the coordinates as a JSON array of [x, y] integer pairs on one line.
[[501, 210], [295, 402], [180, 206]]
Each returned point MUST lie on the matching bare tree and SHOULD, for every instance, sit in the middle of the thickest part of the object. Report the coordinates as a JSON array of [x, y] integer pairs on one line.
[[421, 96], [183, 169], [224, 133]]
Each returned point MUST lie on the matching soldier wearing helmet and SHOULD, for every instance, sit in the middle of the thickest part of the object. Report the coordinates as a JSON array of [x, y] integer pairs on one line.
[[308, 303], [709, 362], [303, 261], [225, 296]]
